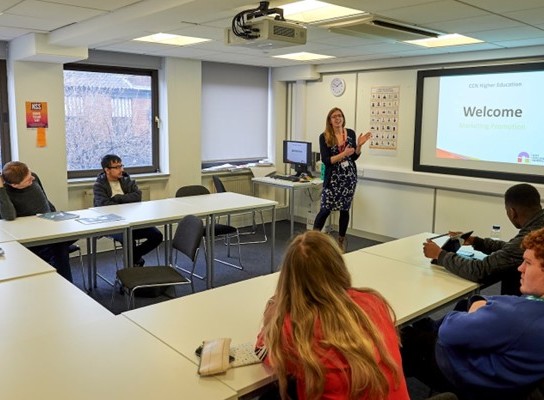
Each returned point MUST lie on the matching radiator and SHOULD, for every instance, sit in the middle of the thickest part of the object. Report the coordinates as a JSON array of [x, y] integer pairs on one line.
[[238, 184], [88, 196]]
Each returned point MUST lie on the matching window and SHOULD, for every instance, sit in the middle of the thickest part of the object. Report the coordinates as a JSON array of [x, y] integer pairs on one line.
[[5, 148], [234, 112], [110, 110]]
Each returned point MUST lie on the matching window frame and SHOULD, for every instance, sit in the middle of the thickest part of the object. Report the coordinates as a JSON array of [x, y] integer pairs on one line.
[[5, 139], [155, 151]]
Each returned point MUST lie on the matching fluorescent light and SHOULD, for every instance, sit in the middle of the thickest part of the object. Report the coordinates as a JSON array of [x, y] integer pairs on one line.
[[308, 11], [174, 40], [304, 56], [453, 39]]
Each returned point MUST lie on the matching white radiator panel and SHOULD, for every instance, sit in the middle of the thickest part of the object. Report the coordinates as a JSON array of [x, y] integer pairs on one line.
[[237, 184]]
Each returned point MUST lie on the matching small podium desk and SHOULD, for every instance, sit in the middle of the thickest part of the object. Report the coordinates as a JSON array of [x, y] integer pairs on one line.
[[291, 187]]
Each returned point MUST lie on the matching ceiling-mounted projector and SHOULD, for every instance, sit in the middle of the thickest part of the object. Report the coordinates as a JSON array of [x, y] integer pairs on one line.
[[269, 33]]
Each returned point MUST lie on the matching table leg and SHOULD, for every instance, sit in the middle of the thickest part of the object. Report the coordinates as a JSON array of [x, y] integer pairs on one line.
[[128, 256], [292, 209], [273, 241], [210, 239]]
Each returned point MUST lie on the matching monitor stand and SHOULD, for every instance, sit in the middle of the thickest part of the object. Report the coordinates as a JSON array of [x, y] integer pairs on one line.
[[301, 169]]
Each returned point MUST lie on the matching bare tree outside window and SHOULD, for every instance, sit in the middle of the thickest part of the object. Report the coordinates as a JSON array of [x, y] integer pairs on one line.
[[109, 112]]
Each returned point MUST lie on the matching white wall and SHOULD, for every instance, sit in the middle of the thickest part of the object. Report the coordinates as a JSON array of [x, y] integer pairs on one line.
[[34, 81], [392, 200], [179, 131]]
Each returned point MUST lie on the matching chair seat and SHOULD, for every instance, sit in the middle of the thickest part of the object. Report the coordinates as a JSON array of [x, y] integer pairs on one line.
[[221, 229], [135, 277]]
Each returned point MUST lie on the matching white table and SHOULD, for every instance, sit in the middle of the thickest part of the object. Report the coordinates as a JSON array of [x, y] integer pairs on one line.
[[34, 231], [5, 236], [291, 187], [410, 250], [233, 311], [41, 304], [169, 211], [411, 290], [109, 358], [18, 262]]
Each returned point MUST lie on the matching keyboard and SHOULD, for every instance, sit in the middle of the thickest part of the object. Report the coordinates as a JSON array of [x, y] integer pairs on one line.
[[289, 178]]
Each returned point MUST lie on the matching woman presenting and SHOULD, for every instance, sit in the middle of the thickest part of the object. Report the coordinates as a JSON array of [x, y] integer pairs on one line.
[[339, 150]]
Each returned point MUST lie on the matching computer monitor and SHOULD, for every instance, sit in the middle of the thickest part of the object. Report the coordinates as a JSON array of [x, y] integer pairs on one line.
[[298, 154]]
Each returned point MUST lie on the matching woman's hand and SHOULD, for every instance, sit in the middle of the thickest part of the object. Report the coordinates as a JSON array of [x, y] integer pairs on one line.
[[362, 139], [348, 151]]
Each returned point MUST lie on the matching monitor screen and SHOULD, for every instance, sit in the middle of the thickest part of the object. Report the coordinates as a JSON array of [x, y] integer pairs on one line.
[[299, 154], [481, 122]]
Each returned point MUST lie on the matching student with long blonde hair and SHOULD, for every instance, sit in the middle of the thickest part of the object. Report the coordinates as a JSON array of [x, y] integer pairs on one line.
[[336, 341]]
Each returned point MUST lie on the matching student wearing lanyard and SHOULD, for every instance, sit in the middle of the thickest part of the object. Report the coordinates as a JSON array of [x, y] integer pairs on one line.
[[494, 348], [339, 150]]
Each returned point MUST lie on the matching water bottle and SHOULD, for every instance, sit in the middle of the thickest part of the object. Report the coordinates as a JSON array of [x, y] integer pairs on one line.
[[495, 232]]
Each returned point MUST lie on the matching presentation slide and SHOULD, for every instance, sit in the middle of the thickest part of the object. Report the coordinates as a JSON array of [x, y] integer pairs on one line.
[[491, 117], [481, 122], [297, 152]]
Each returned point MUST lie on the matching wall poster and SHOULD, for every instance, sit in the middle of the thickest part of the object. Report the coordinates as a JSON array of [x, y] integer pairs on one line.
[[384, 117]]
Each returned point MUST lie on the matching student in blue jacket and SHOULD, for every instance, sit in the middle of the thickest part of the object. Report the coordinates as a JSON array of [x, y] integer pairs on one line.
[[494, 349]]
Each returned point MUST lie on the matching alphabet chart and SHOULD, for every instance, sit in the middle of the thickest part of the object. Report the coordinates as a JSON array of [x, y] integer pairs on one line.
[[384, 117]]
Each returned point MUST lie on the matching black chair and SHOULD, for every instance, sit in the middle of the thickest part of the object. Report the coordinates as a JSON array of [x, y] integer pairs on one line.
[[220, 188], [227, 232], [186, 240]]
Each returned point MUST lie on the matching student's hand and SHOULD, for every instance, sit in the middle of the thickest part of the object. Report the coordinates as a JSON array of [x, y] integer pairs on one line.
[[269, 310], [431, 249], [468, 242], [477, 305], [362, 139]]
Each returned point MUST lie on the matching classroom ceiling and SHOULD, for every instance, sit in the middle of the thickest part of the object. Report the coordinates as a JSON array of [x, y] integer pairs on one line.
[[111, 25]]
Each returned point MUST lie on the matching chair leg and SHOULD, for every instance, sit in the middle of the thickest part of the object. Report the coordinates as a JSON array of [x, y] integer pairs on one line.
[[254, 231], [191, 273], [240, 267]]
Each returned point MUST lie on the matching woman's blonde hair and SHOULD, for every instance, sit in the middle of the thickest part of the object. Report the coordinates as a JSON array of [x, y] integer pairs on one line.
[[330, 139], [312, 291]]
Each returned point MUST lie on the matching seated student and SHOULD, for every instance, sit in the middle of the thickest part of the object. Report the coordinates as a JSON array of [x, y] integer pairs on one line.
[[114, 186], [22, 195], [490, 350], [338, 342], [524, 210]]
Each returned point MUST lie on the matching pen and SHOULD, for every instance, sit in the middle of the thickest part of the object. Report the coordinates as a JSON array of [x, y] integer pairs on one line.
[[439, 236]]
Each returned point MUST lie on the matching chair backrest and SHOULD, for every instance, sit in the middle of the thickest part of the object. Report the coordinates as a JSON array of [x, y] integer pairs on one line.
[[188, 236], [218, 183], [192, 190]]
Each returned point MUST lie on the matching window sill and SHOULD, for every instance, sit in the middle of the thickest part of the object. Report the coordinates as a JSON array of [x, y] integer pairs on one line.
[[87, 182]]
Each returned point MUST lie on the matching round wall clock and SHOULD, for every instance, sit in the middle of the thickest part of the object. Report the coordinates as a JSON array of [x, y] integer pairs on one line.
[[338, 86]]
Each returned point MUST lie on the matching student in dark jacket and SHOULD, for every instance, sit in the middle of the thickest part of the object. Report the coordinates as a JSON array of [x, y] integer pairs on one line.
[[491, 349], [22, 195], [524, 210], [114, 186]]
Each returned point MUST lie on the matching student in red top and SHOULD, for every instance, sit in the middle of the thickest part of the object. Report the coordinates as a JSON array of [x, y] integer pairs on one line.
[[337, 342]]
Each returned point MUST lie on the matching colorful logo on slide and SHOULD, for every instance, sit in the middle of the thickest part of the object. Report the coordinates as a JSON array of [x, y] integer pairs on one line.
[[523, 158]]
